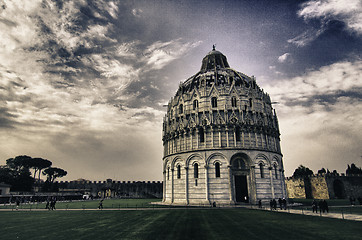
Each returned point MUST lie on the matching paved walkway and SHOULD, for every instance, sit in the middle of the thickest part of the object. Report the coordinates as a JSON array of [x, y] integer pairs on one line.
[[340, 215]]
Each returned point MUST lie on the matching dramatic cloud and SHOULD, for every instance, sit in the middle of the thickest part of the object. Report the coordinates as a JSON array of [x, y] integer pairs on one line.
[[83, 83], [320, 115], [65, 81], [349, 12]]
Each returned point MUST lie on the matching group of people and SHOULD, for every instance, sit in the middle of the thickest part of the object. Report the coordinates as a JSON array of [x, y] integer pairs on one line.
[[322, 205], [273, 204], [50, 205]]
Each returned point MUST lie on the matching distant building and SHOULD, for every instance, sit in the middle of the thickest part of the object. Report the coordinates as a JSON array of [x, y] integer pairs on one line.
[[221, 139], [4, 189]]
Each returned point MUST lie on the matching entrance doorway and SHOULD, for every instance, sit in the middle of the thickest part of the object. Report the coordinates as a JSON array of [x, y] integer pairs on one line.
[[241, 188]]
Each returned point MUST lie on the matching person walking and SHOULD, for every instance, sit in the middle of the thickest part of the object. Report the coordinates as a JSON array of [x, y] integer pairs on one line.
[[17, 203], [314, 206], [100, 205]]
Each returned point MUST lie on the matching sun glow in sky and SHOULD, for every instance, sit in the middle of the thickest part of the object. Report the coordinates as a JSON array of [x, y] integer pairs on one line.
[[83, 83]]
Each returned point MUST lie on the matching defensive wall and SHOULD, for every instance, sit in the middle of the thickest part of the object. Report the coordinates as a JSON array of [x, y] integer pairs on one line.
[[110, 188], [325, 186]]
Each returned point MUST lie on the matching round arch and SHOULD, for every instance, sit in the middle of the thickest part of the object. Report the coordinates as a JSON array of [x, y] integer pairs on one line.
[[215, 155], [262, 158], [194, 156], [177, 158], [240, 160]]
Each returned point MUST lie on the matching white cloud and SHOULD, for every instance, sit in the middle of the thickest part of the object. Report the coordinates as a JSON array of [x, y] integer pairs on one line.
[[137, 12], [320, 116], [306, 37], [159, 54], [284, 58], [350, 12]]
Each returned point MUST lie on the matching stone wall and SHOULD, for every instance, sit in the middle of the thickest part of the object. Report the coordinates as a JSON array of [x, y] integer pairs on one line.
[[109, 188], [325, 187], [295, 188]]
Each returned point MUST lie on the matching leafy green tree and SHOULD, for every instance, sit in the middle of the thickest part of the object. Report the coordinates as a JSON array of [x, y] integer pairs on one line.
[[302, 172], [322, 171]]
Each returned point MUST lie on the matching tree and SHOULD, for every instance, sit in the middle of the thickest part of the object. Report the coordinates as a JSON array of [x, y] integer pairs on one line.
[[302, 172], [19, 162], [52, 173], [18, 174], [39, 164], [353, 169], [322, 171]]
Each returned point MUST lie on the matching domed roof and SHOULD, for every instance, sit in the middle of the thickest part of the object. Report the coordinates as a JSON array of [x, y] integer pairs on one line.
[[214, 60], [215, 69]]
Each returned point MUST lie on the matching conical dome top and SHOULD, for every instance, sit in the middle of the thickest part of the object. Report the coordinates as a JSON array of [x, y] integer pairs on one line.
[[214, 60]]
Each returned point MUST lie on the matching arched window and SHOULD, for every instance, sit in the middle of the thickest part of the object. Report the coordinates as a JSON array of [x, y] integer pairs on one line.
[[261, 167], [276, 171], [196, 170], [233, 101], [181, 108], [250, 102], [196, 104], [202, 135], [168, 173], [178, 171], [214, 102], [217, 169]]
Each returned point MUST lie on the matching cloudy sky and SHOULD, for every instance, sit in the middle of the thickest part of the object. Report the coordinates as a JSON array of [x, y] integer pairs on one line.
[[83, 83]]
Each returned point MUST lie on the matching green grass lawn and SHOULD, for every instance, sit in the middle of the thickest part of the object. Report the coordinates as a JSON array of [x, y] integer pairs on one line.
[[173, 224], [93, 204]]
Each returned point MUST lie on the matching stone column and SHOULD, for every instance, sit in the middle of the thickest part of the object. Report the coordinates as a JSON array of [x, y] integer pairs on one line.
[[172, 187], [192, 139], [212, 136], [242, 137], [219, 136], [231, 192], [207, 183], [227, 136], [164, 185], [271, 181], [234, 137], [252, 194], [185, 141], [256, 139], [197, 138], [282, 180], [187, 185], [249, 139], [261, 139]]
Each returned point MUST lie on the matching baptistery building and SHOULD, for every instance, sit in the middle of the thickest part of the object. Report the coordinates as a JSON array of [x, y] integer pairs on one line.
[[221, 139]]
